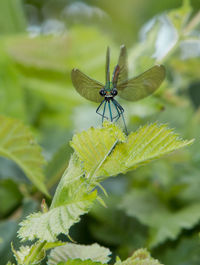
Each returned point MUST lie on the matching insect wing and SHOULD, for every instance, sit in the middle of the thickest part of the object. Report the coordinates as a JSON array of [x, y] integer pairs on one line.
[[143, 85], [108, 65], [86, 86], [115, 75], [123, 65]]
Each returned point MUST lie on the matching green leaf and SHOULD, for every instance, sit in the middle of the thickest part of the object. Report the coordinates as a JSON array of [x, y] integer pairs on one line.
[[15, 21], [113, 227], [33, 254], [139, 257], [104, 154], [29, 254], [10, 196], [72, 199], [101, 152], [94, 146], [70, 251], [186, 251], [163, 222], [79, 262], [18, 144], [11, 99]]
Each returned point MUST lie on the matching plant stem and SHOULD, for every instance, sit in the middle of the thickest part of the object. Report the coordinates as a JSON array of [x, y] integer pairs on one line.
[[36, 252]]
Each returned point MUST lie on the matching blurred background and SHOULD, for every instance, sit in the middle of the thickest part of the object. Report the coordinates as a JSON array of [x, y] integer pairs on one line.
[[158, 205]]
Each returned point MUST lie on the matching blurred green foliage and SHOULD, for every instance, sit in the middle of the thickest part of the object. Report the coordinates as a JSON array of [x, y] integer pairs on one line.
[[41, 41]]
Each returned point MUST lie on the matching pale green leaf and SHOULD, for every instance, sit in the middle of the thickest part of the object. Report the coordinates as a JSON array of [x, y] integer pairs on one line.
[[18, 144], [107, 152], [11, 100], [102, 152], [33, 254], [74, 251], [29, 254], [163, 222], [79, 262], [72, 199], [139, 257], [94, 146]]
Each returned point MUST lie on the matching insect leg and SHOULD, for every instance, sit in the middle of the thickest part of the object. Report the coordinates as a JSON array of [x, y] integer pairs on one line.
[[104, 109], [126, 131], [99, 107], [110, 111], [118, 113], [119, 106], [121, 113]]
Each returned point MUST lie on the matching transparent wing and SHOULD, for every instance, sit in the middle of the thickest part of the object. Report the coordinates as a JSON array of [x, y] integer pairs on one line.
[[123, 65], [143, 85], [86, 86]]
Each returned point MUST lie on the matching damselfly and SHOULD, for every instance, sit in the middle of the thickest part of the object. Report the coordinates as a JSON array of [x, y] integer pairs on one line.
[[131, 89]]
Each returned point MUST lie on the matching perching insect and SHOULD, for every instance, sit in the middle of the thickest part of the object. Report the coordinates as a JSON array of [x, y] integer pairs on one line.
[[131, 89]]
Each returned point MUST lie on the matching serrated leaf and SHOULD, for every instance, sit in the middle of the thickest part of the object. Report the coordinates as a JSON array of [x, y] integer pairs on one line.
[[30, 254], [18, 144], [72, 199], [79, 262], [95, 145], [70, 251], [109, 156], [162, 221], [147, 143], [33, 254], [139, 257]]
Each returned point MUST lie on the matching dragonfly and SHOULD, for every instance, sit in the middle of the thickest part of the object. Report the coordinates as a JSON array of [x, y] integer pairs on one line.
[[131, 89]]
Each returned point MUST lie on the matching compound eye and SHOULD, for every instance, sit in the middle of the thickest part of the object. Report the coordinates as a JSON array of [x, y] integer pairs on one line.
[[114, 92], [102, 92]]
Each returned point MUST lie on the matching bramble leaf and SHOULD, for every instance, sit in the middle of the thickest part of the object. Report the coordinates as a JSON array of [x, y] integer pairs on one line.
[[72, 199], [71, 251], [139, 257], [18, 144], [25, 254], [147, 143], [79, 262], [102, 153], [94, 146], [163, 222]]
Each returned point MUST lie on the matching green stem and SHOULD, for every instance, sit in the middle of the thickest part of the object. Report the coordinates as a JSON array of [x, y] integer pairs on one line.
[[30, 260]]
